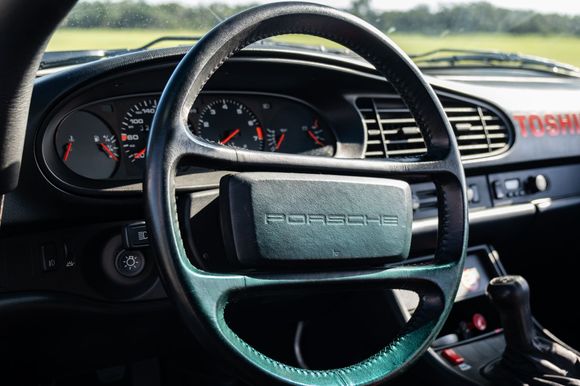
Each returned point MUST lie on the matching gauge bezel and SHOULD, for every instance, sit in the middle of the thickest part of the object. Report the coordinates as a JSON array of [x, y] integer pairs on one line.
[[197, 130], [123, 130], [107, 137], [62, 177]]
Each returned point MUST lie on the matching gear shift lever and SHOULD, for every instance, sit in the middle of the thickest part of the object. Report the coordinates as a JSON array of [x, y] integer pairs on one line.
[[529, 358], [511, 297]]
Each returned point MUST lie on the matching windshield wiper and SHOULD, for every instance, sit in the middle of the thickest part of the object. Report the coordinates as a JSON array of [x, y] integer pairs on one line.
[[454, 57], [270, 42], [54, 59], [179, 38]]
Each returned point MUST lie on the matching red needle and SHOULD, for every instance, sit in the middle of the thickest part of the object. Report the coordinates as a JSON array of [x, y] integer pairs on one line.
[[67, 151], [315, 138], [229, 137], [280, 140], [259, 133], [140, 153], [109, 152]]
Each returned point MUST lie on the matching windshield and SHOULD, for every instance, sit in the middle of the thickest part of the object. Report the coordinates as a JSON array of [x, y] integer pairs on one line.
[[544, 29]]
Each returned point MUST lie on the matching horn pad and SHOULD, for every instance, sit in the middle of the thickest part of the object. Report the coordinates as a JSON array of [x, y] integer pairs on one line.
[[270, 218]]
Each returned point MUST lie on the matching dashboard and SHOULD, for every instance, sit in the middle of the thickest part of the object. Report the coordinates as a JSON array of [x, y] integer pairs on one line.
[[76, 220], [88, 127], [91, 124]]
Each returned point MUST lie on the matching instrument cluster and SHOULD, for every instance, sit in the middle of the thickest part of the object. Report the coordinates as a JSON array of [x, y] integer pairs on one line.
[[107, 140]]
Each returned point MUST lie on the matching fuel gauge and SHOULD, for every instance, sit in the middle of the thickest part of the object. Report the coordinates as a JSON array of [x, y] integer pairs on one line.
[[87, 146]]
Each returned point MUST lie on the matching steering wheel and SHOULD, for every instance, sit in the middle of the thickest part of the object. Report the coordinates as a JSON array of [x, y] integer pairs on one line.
[[202, 296]]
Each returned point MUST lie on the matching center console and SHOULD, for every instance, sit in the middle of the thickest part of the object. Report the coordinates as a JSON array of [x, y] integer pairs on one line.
[[490, 337], [472, 337]]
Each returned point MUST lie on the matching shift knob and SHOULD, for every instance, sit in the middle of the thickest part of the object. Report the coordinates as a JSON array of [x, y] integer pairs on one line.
[[511, 297]]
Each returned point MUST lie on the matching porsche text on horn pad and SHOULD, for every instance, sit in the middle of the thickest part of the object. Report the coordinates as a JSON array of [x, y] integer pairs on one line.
[[264, 215]]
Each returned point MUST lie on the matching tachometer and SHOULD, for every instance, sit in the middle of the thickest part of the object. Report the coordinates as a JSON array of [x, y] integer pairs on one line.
[[231, 123], [135, 129]]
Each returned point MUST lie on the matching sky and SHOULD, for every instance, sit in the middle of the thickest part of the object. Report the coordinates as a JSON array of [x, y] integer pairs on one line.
[[544, 6]]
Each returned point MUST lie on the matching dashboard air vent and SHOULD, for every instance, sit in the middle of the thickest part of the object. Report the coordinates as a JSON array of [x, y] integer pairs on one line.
[[392, 131]]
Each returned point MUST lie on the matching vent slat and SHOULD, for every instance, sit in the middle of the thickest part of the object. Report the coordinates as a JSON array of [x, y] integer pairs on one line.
[[407, 151], [402, 141], [449, 110], [394, 121], [479, 130], [404, 130], [374, 154], [393, 111], [474, 147], [471, 137], [465, 118]]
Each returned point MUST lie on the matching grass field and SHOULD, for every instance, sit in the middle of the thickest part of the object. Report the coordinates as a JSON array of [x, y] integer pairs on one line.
[[562, 48]]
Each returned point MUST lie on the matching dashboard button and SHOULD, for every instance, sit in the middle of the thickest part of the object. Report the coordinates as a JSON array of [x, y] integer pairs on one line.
[[130, 263], [512, 184], [49, 256], [538, 183], [136, 235], [69, 257], [473, 194], [498, 190], [452, 357]]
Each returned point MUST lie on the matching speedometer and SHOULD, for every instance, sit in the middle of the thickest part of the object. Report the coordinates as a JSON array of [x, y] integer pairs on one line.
[[135, 129]]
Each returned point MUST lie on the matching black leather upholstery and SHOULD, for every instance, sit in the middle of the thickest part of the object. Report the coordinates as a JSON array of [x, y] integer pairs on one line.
[[25, 28]]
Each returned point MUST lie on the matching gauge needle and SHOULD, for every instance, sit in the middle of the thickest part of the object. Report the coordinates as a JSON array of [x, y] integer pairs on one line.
[[140, 154], [229, 137], [259, 133], [314, 138], [109, 152], [280, 140], [67, 151]]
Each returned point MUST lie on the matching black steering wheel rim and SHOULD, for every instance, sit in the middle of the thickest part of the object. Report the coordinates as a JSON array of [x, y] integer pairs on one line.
[[202, 296]]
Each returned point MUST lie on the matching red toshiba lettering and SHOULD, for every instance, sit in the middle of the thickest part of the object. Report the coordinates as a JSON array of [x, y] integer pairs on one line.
[[551, 125], [521, 119], [576, 123], [536, 126], [565, 124]]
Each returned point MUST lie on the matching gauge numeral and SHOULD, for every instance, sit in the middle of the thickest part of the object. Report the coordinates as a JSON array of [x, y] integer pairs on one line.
[[135, 128]]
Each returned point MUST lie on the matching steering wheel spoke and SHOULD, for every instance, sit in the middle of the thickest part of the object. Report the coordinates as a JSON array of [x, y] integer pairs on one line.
[[434, 278], [190, 146]]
